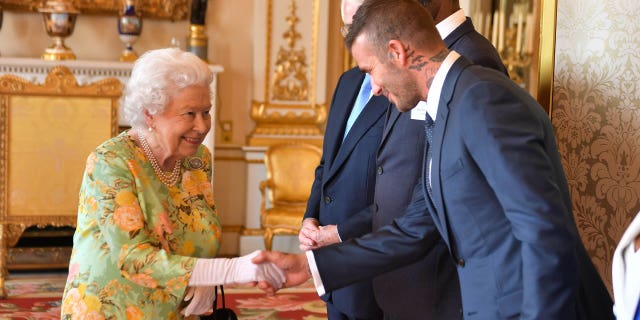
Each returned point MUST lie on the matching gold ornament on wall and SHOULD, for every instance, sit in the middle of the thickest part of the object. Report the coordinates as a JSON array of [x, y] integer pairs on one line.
[[290, 76], [289, 110]]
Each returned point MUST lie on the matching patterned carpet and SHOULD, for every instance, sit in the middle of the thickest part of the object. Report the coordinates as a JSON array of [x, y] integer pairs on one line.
[[37, 296]]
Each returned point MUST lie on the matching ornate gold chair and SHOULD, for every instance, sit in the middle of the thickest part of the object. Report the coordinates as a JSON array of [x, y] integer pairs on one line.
[[46, 133], [290, 174]]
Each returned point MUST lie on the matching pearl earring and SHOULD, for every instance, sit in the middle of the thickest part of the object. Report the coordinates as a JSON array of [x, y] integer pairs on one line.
[[150, 129]]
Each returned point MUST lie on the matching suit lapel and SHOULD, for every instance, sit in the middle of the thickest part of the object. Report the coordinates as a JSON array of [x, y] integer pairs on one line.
[[374, 109], [392, 116], [341, 106], [438, 134]]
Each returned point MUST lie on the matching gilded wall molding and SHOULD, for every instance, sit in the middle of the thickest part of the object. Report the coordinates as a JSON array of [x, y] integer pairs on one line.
[[288, 108], [158, 9]]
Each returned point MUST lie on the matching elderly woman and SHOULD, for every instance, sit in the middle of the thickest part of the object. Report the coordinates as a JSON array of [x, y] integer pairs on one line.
[[147, 226]]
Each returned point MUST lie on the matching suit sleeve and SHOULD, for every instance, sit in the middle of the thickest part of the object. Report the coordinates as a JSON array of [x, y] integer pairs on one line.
[[404, 241], [515, 154], [357, 225], [313, 204]]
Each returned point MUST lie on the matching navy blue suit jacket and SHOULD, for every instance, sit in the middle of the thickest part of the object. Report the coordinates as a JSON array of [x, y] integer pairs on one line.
[[345, 179], [476, 48], [500, 203], [428, 288]]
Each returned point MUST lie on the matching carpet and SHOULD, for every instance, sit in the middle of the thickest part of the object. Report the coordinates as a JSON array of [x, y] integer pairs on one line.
[[37, 297]]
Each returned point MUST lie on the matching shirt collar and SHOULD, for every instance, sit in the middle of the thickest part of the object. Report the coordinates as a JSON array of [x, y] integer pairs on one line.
[[446, 26], [433, 98]]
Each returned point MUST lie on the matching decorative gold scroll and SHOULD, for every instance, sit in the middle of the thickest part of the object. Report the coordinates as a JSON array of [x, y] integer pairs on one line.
[[159, 9], [289, 111], [290, 81]]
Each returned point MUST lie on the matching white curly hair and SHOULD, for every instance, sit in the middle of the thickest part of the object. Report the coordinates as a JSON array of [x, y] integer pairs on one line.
[[156, 77]]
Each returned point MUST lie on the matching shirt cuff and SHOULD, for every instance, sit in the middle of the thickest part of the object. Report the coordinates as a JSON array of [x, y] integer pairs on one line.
[[315, 274]]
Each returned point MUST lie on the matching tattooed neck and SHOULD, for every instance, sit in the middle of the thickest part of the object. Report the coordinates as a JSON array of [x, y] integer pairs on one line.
[[416, 61], [437, 61], [440, 56]]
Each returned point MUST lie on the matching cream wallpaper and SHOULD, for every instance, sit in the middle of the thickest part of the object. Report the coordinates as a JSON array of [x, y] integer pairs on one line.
[[596, 114]]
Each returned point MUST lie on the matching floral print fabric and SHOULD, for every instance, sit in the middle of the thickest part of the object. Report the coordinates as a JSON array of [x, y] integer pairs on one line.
[[136, 239]]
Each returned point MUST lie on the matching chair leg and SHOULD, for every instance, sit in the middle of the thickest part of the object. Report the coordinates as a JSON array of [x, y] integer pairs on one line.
[[268, 238]]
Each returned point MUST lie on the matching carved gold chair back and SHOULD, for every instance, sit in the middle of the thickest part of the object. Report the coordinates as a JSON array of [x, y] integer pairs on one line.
[[46, 133], [290, 174]]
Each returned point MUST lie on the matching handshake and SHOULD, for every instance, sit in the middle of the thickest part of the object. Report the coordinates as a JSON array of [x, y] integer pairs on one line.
[[209, 273]]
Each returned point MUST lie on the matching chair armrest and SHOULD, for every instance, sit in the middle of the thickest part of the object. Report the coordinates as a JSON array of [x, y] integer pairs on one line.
[[264, 184]]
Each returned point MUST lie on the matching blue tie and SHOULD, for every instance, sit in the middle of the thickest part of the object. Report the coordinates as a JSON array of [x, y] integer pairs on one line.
[[637, 317], [361, 101]]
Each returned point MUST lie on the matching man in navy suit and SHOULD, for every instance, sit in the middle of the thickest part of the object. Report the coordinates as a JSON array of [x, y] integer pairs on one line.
[[345, 179], [428, 288], [492, 184]]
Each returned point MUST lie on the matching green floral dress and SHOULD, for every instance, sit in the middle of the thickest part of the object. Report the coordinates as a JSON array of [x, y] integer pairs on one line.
[[136, 239]]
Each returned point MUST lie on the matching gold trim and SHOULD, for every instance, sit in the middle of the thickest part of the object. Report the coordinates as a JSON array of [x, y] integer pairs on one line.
[[252, 232], [271, 140], [314, 53], [547, 53], [223, 158], [279, 120], [158, 9], [232, 229], [268, 51]]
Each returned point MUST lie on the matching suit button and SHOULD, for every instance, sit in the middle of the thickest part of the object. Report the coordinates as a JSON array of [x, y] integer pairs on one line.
[[380, 170], [327, 199], [460, 262]]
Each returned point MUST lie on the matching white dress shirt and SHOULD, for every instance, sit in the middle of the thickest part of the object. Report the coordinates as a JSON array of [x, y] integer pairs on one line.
[[626, 278]]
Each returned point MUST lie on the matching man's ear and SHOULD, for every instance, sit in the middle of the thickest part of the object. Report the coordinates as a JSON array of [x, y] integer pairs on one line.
[[396, 52]]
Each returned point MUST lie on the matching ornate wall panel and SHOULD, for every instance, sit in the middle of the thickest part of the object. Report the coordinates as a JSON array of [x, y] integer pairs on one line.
[[289, 84], [596, 114]]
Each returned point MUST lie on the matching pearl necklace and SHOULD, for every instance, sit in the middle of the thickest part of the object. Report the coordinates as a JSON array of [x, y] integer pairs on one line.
[[168, 178]]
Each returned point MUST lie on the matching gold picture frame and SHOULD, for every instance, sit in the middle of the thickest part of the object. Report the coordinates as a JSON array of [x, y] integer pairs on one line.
[[155, 9], [546, 62]]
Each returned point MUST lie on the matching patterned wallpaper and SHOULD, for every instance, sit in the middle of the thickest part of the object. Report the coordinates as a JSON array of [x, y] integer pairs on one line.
[[596, 114]]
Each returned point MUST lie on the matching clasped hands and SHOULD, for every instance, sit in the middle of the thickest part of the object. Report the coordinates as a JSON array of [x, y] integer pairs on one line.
[[296, 266], [313, 236], [209, 273], [268, 270]]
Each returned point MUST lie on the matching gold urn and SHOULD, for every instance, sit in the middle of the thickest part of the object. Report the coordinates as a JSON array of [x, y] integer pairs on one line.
[[59, 20]]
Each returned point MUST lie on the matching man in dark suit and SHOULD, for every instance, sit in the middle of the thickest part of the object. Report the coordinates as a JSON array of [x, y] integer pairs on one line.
[[428, 288], [345, 179], [492, 183]]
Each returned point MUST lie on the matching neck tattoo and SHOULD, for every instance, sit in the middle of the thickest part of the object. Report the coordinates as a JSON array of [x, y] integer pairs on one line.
[[169, 178]]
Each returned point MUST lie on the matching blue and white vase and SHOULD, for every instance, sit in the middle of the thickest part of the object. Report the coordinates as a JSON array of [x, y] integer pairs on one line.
[[129, 29]]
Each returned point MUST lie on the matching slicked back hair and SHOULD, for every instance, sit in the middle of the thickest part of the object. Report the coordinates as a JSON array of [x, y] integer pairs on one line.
[[384, 20]]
